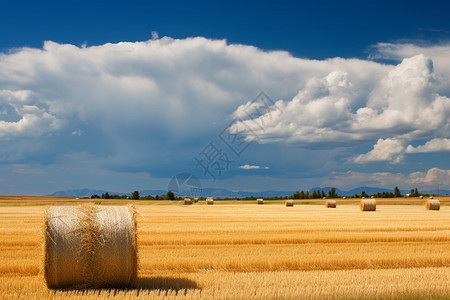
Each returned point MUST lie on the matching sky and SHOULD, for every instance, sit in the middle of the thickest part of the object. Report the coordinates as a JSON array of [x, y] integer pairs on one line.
[[252, 96]]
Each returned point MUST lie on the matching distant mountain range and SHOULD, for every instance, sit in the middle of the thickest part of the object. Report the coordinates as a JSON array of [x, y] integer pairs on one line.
[[210, 192]]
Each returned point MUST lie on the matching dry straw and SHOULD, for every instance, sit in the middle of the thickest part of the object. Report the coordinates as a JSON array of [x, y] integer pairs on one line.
[[90, 246], [433, 204], [187, 201], [289, 202], [259, 201], [368, 205], [330, 203], [209, 200]]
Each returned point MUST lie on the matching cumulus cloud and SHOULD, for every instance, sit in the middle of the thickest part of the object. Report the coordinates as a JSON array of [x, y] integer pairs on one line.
[[152, 105], [434, 145], [249, 167], [423, 180], [342, 109], [383, 150]]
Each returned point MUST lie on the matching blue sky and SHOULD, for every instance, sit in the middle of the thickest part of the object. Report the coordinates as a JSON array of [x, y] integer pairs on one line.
[[122, 96]]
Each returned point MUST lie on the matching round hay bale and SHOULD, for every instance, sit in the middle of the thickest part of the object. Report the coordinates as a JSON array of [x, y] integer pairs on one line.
[[260, 201], [368, 205], [433, 204], [330, 203], [90, 246], [344, 197], [431, 197], [408, 195], [421, 197], [195, 200], [289, 203], [324, 198], [187, 201], [209, 201]]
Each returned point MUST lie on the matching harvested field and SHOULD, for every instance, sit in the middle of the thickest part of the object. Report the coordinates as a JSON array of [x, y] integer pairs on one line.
[[242, 251]]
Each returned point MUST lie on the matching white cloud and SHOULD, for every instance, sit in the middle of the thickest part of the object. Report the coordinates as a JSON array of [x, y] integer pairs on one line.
[[422, 180], [383, 150], [433, 176], [434, 145], [249, 167], [151, 106], [341, 108]]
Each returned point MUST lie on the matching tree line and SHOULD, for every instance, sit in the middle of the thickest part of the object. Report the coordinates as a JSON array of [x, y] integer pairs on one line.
[[315, 194]]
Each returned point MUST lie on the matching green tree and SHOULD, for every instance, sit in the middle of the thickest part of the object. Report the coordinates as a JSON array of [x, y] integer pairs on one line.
[[170, 195], [397, 192], [332, 193], [95, 196], [416, 193], [135, 195]]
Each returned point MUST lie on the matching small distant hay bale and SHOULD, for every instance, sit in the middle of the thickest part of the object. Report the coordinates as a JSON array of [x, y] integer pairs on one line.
[[289, 203], [260, 201], [324, 198], [209, 201], [90, 246], [368, 205], [408, 195], [363, 198], [433, 204], [421, 197], [187, 201], [195, 200], [330, 203], [344, 197], [431, 197]]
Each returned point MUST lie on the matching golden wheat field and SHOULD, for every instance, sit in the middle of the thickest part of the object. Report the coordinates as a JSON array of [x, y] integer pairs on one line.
[[249, 251]]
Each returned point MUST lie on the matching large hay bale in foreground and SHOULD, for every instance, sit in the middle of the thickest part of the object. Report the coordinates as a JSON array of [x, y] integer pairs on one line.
[[209, 200], [289, 203], [433, 204], [368, 205], [187, 201], [260, 201], [90, 246], [330, 203]]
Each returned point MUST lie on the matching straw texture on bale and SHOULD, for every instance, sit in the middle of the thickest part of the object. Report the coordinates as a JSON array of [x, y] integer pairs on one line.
[[90, 246], [368, 205], [289, 202], [187, 201], [210, 201], [330, 203], [260, 201], [433, 204]]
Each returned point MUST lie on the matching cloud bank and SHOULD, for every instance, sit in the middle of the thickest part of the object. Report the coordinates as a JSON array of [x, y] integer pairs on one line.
[[152, 106]]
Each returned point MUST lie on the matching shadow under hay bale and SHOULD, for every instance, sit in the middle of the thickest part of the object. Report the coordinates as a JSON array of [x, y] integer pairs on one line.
[[330, 203], [90, 246], [368, 205], [289, 203], [164, 283], [433, 204]]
